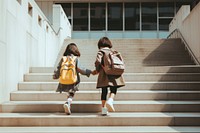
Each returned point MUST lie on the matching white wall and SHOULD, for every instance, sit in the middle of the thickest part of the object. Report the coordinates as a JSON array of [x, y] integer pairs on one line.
[[25, 43], [46, 7], [189, 25]]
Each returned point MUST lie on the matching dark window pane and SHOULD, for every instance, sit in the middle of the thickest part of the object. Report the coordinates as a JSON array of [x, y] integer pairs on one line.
[[67, 9], [164, 24], [115, 20], [97, 16], [179, 4], [194, 3], [132, 16], [80, 16], [166, 9], [149, 16]]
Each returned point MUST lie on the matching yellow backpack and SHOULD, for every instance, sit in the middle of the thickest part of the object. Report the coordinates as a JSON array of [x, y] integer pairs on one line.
[[68, 74]]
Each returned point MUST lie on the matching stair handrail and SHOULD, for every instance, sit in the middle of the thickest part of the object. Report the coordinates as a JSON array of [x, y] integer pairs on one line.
[[185, 43], [56, 33]]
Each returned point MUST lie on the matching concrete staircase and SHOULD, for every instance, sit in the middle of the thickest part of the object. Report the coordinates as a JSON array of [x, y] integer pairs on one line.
[[161, 94]]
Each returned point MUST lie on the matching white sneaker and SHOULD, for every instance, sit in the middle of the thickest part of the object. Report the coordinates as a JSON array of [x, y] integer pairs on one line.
[[104, 111], [109, 105], [66, 107]]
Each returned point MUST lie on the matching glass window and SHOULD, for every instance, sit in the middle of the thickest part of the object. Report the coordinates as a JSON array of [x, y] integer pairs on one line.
[[67, 9], [132, 16], [97, 16], [166, 9], [19, 1], [115, 17], [80, 16], [30, 9], [164, 24], [149, 16], [179, 4], [194, 3]]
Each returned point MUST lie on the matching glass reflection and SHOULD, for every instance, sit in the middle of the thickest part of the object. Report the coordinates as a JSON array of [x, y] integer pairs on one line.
[[97, 16], [149, 16], [164, 24], [132, 16], [80, 16], [115, 17], [166, 9]]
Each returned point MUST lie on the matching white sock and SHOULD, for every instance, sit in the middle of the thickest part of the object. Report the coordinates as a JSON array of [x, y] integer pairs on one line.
[[110, 100], [69, 100]]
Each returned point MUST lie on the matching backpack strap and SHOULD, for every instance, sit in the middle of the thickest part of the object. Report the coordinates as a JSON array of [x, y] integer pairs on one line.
[[64, 58], [105, 51], [69, 57], [102, 59]]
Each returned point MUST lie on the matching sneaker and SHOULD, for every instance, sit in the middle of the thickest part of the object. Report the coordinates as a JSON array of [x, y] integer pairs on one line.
[[109, 105], [66, 107], [104, 111]]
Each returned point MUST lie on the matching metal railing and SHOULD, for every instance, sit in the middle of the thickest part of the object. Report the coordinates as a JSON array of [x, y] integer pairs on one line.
[[56, 33], [178, 34]]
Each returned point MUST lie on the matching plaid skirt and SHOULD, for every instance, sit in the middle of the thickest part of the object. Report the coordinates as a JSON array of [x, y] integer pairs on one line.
[[67, 88]]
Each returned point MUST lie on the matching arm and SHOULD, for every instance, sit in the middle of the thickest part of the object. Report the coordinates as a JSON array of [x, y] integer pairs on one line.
[[82, 70], [57, 70], [98, 61]]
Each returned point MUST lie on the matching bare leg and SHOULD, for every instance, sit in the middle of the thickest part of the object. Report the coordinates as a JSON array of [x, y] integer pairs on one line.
[[113, 91], [112, 95], [67, 105], [103, 103]]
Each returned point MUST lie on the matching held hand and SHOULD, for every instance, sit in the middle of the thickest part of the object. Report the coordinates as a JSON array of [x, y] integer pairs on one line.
[[54, 77], [94, 72]]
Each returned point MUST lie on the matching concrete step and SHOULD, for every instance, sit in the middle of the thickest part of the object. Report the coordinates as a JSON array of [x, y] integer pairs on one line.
[[140, 42], [90, 119], [47, 77], [149, 64], [152, 49], [95, 95], [139, 58], [143, 53], [89, 64], [132, 43], [51, 86], [137, 69], [159, 58], [102, 129], [149, 61], [161, 52], [154, 52], [95, 106]]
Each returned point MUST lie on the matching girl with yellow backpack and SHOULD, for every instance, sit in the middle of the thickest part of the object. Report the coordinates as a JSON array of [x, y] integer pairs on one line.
[[67, 72]]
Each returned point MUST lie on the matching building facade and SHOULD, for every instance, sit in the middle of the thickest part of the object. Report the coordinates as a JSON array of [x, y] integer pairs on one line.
[[121, 19]]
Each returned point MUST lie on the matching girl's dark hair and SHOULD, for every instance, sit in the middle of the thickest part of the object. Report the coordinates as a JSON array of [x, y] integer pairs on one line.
[[72, 49], [104, 42]]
